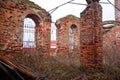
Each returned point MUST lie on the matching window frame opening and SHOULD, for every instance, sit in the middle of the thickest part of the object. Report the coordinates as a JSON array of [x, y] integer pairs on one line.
[[29, 33], [72, 31]]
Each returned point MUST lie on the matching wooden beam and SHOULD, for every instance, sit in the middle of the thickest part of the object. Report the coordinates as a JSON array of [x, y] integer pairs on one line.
[[19, 68]]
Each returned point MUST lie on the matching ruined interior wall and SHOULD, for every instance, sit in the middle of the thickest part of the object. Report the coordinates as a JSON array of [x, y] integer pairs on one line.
[[91, 52], [111, 46], [11, 26], [62, 38], [46, 33], [63, 34]]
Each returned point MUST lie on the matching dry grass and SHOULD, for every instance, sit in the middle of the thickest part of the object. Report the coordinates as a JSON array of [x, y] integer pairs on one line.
[[64, 67], [59, 67]]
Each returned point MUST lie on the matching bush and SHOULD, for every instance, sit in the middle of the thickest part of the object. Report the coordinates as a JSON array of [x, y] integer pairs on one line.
[[59, 67], [64, 67]]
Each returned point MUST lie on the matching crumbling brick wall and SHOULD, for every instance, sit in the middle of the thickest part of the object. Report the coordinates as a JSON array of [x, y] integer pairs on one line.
[[63, 34], [111, 46], [117, 11], [12, 15], [91, 51]]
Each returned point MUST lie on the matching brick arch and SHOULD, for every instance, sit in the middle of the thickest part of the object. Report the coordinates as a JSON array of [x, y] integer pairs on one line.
[[63, 34], [73, 26], [12, 26], [33, 15], [38, 29], [35, 18], [41, 30]]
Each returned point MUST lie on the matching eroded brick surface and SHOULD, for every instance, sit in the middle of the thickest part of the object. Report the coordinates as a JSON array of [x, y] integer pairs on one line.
[[63, 34], [12, 14], [111, 46], [87, 36], [117, 10], [91, 51]]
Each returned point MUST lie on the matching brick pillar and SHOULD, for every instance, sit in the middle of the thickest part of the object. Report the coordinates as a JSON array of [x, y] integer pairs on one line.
[[117, 12], [43, 37], [46, 36], [91, 50]]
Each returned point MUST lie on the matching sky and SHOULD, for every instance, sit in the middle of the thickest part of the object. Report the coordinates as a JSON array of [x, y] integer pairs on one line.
[[108, 9], [74, 9]]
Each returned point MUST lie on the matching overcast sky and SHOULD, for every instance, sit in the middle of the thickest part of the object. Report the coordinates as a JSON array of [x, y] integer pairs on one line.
[[108, 9]]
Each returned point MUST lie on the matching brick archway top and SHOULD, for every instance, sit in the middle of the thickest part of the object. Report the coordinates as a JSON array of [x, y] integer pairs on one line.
[[70, 17], [73, 26], [39, 16], [34, 17]]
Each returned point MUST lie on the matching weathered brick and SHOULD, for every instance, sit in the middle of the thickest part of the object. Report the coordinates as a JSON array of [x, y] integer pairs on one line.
[[111, 45], [91, 36], [117, 12], [11, 26], [63, 34]]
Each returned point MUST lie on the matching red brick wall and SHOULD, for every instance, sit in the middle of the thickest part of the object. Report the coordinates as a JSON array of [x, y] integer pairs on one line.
[[91, 51], [111, 46], [46, 36], [63, 30], [117, 12], [11, 26]]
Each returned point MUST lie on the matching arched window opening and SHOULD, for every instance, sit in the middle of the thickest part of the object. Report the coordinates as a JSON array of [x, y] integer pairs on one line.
[[72, 32], [29, 33], [53, 36]]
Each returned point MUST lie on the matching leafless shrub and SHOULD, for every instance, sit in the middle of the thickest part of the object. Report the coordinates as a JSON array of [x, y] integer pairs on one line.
[[64, 67], [111, 56]]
